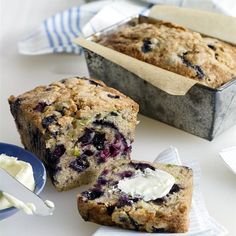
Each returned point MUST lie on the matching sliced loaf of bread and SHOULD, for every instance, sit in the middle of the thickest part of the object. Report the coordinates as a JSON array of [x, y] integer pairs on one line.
[[77, 126]]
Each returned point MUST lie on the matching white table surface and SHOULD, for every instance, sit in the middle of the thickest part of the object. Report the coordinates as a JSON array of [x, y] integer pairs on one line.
[[20, 73]]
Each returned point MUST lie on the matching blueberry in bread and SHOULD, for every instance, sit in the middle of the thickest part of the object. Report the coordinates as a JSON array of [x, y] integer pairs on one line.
[[210, 61], [119, 198], [76, 126]]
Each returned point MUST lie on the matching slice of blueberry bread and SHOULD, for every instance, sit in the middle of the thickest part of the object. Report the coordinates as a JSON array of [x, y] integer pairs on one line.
[[140, 196], [76, 126]]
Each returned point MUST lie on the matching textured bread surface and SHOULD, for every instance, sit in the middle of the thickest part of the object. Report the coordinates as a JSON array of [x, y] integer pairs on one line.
[[210, 61], [76, 126], [103, 203]]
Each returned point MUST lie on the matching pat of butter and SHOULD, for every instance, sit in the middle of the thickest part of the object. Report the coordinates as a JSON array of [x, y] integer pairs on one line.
[[149, 185], [23, 172]]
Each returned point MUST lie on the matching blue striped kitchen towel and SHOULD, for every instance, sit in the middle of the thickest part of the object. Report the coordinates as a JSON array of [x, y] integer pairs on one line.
[[201, 223], [56, 34]]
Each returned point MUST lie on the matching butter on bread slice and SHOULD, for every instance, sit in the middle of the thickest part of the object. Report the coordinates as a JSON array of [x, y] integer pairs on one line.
[[103, 203]]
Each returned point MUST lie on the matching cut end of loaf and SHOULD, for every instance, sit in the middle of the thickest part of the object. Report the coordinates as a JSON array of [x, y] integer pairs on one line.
[[76, 126]]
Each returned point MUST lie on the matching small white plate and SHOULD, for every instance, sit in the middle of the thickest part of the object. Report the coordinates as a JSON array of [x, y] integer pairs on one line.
[[229, 157]]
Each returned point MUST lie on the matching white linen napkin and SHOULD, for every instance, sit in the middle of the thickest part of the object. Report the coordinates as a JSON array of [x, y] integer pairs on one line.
[[56, 34], [229, 157], [201, 223]]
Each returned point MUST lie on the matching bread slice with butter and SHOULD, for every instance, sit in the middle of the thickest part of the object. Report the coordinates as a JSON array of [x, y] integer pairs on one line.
[[106, 204]]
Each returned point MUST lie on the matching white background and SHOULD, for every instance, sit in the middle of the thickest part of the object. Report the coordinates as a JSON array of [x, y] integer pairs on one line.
[[20, 73]]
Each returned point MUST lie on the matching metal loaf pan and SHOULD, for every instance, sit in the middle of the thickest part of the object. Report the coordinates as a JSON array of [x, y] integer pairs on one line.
[[202, 111]]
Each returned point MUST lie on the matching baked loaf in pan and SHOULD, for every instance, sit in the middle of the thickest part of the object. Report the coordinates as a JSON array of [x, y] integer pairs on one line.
[[77, 126], [105, 204], [172, 47]]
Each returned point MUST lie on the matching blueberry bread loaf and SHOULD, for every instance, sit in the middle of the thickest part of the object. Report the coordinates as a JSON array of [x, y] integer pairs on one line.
[[76, 126], [140, 196], [172, 47]]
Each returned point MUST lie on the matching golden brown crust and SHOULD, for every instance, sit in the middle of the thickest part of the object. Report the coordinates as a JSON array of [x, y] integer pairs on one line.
[[82, 95], [209, 61]]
